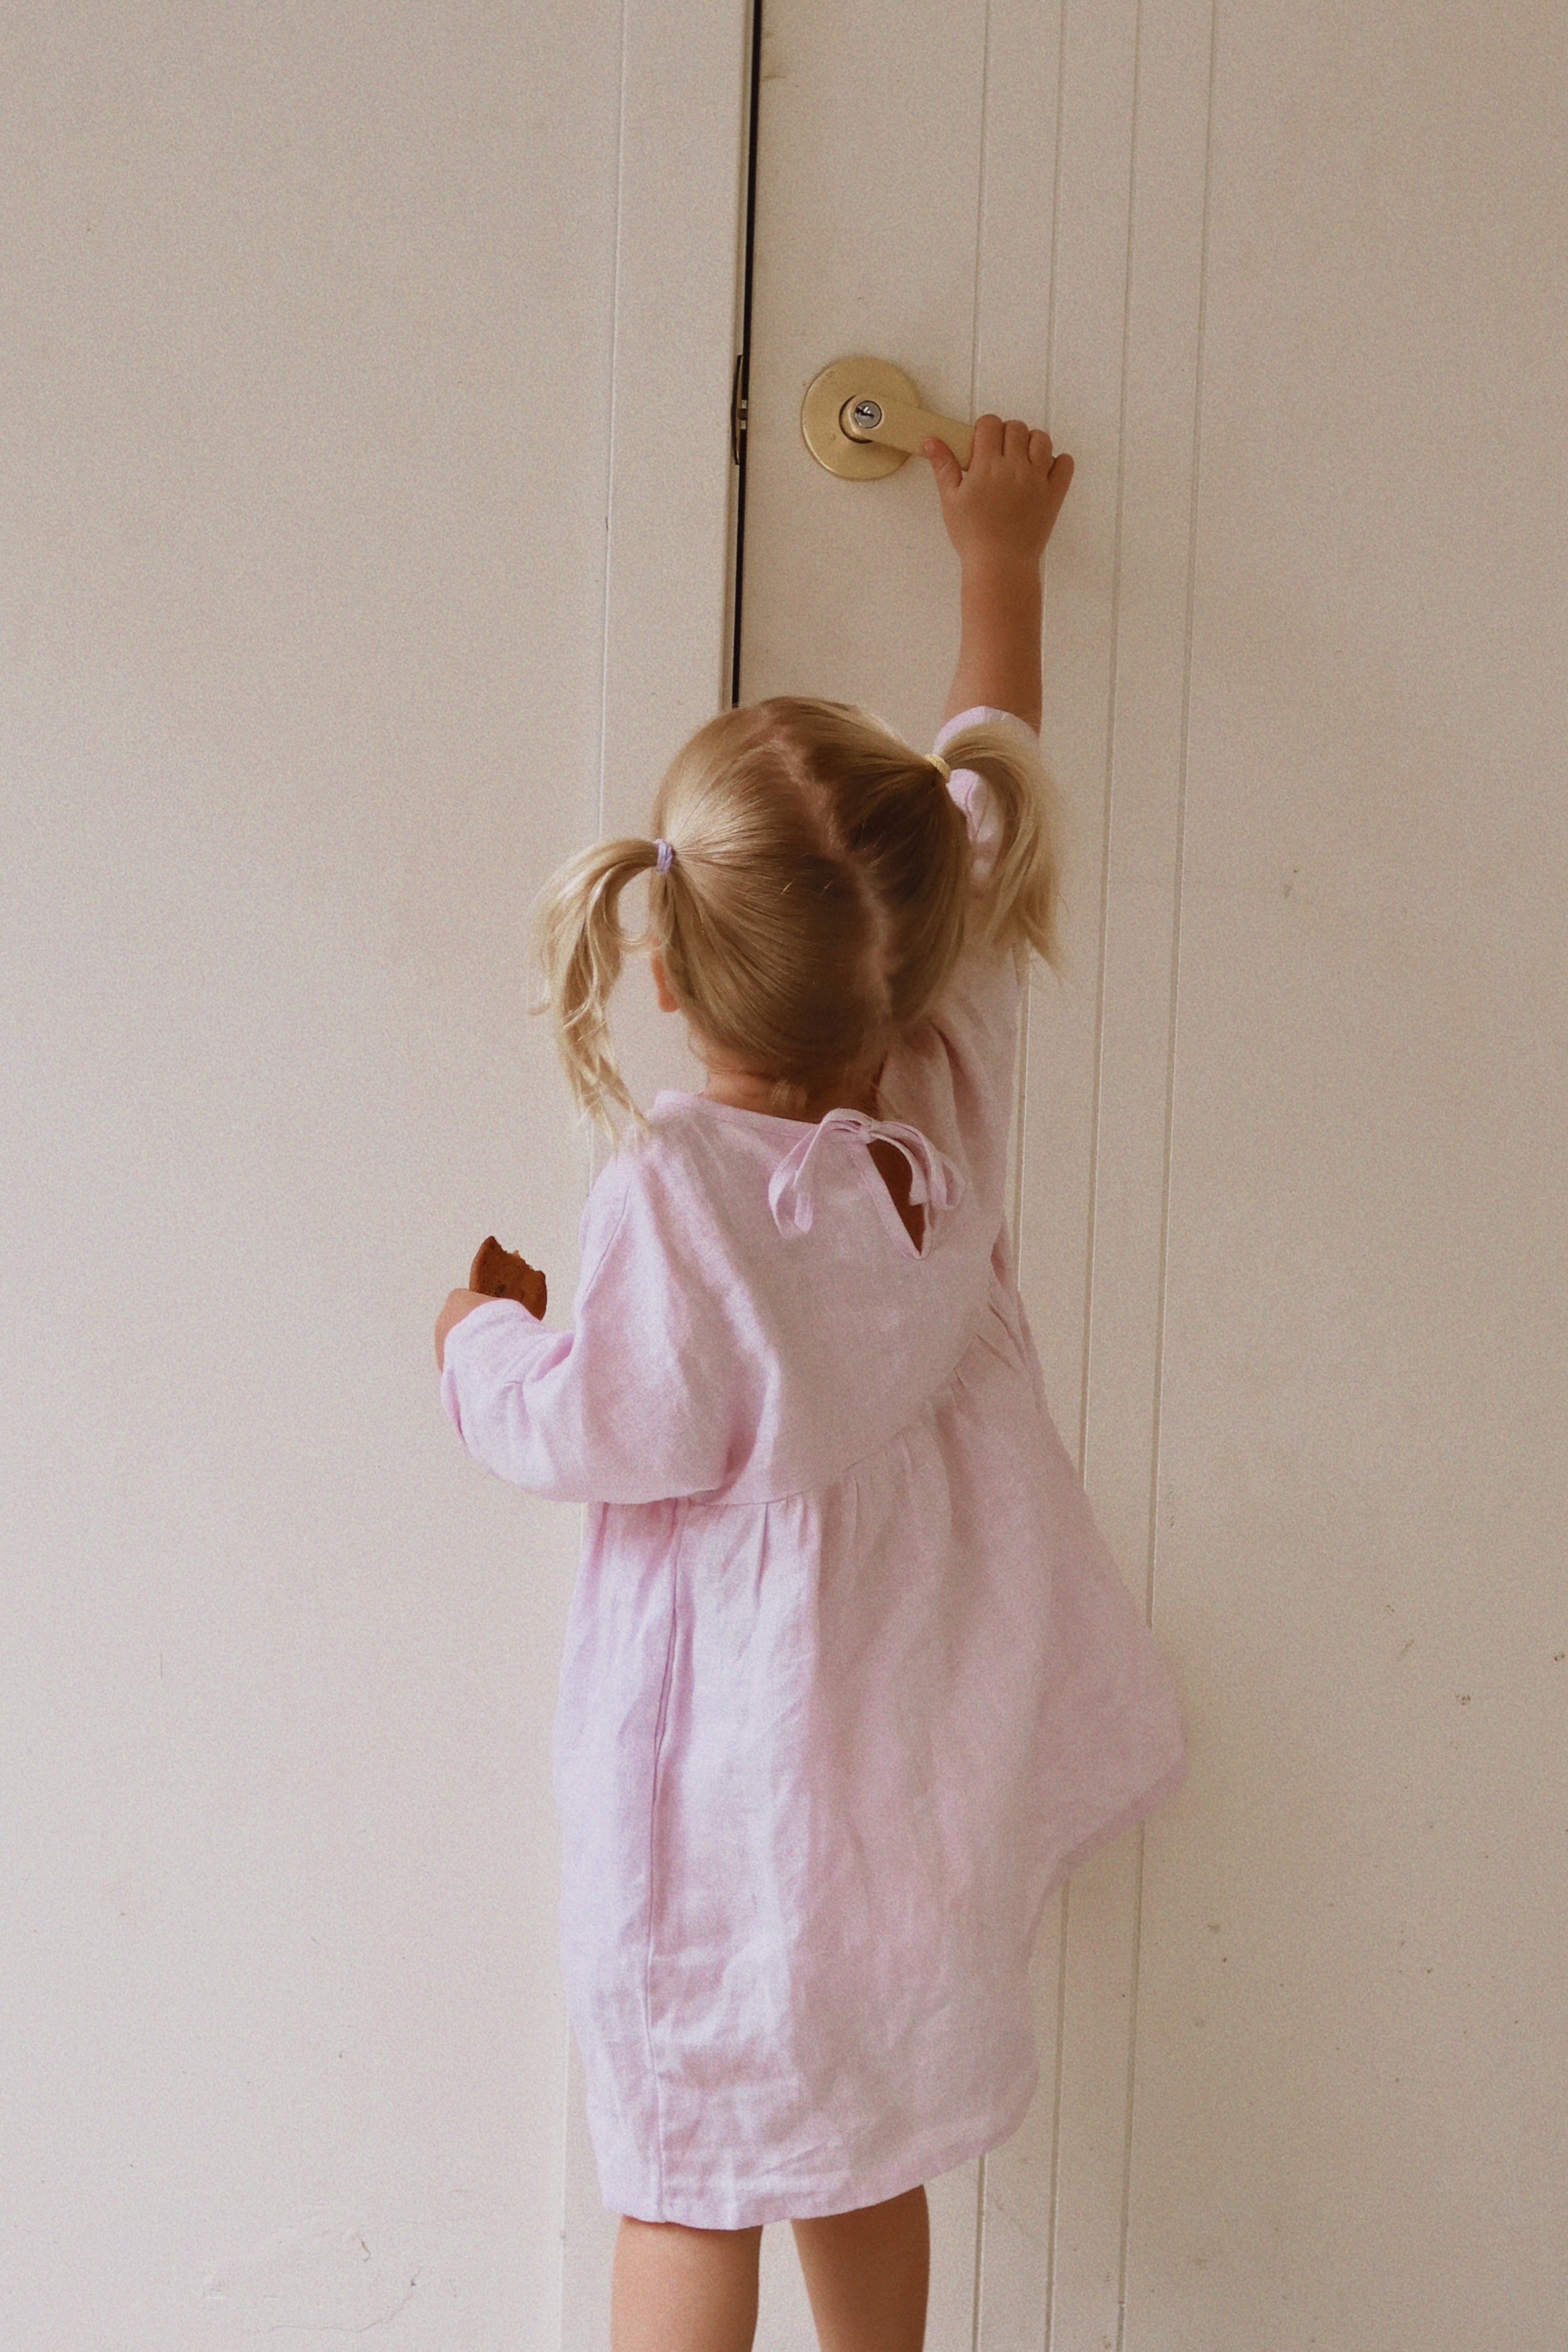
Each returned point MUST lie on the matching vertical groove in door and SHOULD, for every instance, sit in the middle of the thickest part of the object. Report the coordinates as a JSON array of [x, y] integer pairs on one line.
[[1108, 796], [1049, 414], [1131, 2091], [1055, 205], [595, 1151], [1020, 1171], [742, 392], [1054, 2186], [563, 2209], [1116, 562], [979, 2269], [979, 213], [1181, 813], [612, 419], [980, 2254], [1096, 1110], [1172, 1037]]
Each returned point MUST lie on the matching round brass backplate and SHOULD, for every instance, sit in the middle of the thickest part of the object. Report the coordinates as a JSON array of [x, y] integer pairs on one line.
[[826, 399]]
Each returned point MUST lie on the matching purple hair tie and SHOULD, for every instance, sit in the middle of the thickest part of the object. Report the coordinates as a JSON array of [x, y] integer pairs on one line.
[[666, 850]]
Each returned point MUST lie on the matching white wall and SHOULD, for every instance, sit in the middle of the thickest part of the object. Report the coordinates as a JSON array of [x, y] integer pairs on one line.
[[311, 516]]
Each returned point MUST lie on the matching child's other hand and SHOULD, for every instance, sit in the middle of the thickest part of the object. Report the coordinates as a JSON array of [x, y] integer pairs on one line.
[[502, 1274], [1004, 508], [458, 1304]]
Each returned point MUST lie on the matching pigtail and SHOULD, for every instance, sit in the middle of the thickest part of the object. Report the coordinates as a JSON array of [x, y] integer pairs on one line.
[[580, 946], [1017, 903]]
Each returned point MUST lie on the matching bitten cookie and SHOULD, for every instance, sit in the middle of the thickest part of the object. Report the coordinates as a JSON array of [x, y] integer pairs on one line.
[[502, 1274]]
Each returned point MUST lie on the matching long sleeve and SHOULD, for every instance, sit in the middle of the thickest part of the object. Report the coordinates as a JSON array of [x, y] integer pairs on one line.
[[630, 1404]]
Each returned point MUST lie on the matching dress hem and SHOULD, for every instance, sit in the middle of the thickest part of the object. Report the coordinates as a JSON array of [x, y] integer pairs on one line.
[[933, 2156]]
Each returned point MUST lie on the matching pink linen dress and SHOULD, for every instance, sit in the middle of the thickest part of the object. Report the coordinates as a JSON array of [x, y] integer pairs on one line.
[[849, 1681]]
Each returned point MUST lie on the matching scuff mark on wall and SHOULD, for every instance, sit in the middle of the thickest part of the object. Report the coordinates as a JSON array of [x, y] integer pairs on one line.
[[320, 2276]]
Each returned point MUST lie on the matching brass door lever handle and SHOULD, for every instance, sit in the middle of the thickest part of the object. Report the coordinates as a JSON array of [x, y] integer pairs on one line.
[[862, 417]]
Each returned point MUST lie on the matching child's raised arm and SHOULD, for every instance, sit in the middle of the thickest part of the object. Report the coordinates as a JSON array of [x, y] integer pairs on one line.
[[1000, 514]]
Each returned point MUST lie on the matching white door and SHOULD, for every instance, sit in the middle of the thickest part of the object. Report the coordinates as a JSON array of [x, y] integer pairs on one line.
[[1288, 283]]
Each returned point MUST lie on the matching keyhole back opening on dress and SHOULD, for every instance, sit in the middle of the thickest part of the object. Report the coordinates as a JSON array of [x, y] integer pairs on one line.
[[893, 1168]]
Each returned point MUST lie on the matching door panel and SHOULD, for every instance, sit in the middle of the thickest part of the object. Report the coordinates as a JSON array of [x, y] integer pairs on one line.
[[1291, 1131]]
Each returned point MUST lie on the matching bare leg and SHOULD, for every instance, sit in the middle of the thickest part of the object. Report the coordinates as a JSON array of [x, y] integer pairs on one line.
[[867, 2274], [679, 2290]]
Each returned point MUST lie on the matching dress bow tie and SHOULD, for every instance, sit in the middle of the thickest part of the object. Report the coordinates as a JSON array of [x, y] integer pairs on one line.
[[934, 1182]]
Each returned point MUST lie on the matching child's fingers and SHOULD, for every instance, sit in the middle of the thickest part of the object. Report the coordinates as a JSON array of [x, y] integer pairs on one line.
[[944, 465], [988, 431]]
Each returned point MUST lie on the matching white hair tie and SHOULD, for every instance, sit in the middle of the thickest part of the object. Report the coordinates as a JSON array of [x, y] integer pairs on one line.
[[666, 850], [940, 764]]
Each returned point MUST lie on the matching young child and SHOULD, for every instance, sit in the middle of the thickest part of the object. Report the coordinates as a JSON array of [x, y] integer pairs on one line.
[[850, 1680]]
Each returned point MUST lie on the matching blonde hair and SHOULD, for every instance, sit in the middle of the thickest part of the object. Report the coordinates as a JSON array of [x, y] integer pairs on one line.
[[817, 901]]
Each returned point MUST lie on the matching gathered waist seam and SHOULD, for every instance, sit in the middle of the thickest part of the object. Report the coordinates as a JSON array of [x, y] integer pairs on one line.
[[717, 1500]]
